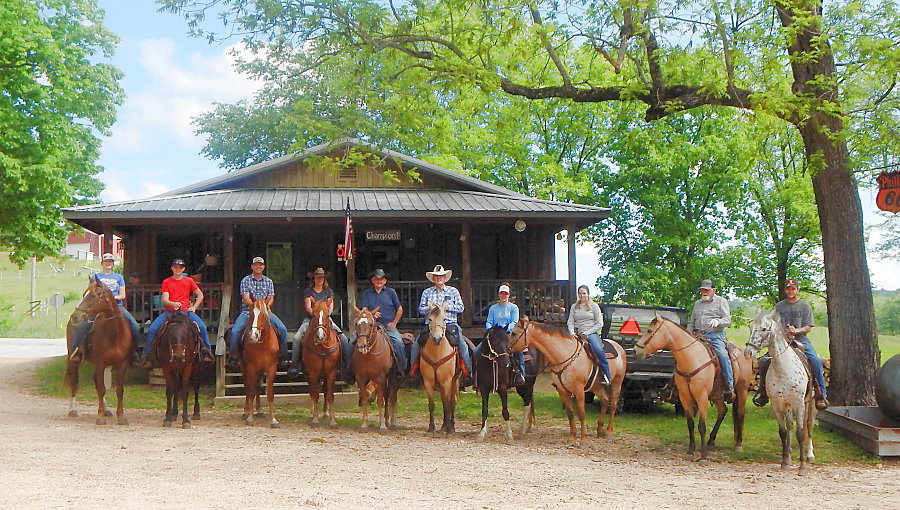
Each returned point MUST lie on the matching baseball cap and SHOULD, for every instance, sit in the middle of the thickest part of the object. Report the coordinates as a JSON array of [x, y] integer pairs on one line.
[[107, 256], [503, 288], [791, 283], [258, 260], [178, 262], [706, 284]]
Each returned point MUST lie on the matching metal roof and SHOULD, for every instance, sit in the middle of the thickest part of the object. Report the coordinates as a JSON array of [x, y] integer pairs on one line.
[[331, 203], [423, 166]]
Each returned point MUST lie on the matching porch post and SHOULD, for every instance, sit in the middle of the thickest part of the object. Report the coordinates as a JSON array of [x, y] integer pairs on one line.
[[107, 246], [466, 280], [351, 291], [570, 243], [225, 311]]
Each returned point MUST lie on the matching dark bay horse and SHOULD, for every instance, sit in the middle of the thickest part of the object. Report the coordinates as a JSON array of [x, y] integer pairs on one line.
[[321, 359], [259, 351], [177, 350], [372, 362], [110, 339], [789, 386], [440, 368], [695, 378], [492, 371], [571, 369]]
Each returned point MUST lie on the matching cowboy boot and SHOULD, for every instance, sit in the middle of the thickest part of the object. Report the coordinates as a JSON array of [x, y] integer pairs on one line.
[[821, 402], [206, 355]]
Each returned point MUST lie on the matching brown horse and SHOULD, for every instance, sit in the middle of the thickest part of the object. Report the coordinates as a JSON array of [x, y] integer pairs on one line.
[[177, 349], [695, 377], [259, 350], [440, 368], [110, 339], [322, 359], [492, 374], [372, 361], [572, 369]]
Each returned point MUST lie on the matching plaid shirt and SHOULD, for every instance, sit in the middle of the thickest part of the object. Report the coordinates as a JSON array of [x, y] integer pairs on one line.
[[261, 288], [432, 295]]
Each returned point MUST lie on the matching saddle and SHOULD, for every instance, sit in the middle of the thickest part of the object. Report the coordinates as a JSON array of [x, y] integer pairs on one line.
[[608, 349], [718, 388]]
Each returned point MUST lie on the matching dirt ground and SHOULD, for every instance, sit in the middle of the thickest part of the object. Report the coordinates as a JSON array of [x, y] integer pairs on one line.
[[52, 461]]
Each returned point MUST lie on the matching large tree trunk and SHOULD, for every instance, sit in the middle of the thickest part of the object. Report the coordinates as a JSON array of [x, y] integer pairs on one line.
[[851, 314]]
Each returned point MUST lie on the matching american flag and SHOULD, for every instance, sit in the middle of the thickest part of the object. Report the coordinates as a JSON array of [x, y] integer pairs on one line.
[[348, 235]]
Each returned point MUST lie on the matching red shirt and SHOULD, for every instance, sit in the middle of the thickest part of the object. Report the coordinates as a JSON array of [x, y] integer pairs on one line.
[[179, 290]]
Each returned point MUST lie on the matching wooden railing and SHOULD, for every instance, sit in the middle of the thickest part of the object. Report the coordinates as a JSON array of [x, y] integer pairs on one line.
[[143, 301]]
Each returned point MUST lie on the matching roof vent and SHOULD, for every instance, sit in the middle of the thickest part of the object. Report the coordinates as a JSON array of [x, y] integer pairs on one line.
[[348, 174]]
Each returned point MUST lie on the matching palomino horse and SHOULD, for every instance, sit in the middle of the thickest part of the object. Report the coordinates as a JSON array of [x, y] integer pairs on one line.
[[440, 369], [372, 362], [788, 386], [695, 377], [572, 370], [110, 340], [322, 359], [259, 351], [177, 350], [492, 373]]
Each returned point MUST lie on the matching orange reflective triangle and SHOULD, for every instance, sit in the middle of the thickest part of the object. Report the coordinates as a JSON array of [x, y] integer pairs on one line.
[[630, 327]]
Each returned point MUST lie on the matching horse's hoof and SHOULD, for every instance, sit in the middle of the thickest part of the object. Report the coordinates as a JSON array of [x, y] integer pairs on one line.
[[107, 413], [785, 467], [275, 424], [249, 421], [123, 421], [195, 416], [364, 427], [259, 414], [73, 414], [101, 421], [430, 433], [702, 461], [167, 424], [186, 425], [332, 425], [803, 471], [245, 416], [739, 448]]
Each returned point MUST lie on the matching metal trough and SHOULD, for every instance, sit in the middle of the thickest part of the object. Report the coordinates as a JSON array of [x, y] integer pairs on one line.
[[866, 426]]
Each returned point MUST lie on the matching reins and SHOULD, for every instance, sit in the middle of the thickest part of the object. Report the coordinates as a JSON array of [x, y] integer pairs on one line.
[[494, 357]]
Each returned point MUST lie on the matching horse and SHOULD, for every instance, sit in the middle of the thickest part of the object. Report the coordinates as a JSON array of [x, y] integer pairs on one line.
[[440, 369], [177, 350], [259, 351], [492, 373], [696, 372], [323, 360], [788, 385], [574, 373], [372, 362], [110, 337], [526, 391]]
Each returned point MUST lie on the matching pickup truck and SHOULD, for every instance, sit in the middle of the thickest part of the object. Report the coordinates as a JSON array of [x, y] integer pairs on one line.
[[625, 324]]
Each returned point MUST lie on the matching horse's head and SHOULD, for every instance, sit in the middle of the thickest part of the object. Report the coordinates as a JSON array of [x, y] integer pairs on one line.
[[366, 326], [497, 341], [99, 296], [764, 329], [650, 341], [437, 321], [259, 319], [85, 309], [180, 336], [320, 320], [518, 339]]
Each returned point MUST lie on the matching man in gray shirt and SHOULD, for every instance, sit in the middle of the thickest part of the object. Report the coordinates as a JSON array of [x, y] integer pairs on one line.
[[710, 316]]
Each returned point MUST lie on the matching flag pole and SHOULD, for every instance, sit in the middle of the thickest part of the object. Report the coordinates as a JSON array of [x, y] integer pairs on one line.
[[350, 262]]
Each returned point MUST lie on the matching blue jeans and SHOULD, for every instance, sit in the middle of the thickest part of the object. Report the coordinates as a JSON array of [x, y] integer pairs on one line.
[[161, 319], [597, 346], [717, 338], [81, 332], [519, 357], [815, 363], [240, 324], [462, 344]]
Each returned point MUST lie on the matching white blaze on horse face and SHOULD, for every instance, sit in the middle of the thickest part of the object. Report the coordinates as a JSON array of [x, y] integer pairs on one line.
[[320, 331]]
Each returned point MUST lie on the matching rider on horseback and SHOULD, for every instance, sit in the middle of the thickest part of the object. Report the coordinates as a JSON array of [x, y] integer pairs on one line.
[[710, 316], [797, 317], [255, 285], [506, 315], [389, 313], [116, 284], [585, 318], [176, 292], [438, 293], [319, 290]]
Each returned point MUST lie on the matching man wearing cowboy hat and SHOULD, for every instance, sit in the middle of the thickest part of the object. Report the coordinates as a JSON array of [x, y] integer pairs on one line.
[[438, 293], [176, 292], [797, 317], [710, 316], [389, 313], [255, 285]]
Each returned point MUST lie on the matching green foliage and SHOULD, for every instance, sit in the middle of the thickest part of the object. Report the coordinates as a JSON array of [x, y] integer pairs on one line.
[[7, 317], [57, 96], [888, 317]]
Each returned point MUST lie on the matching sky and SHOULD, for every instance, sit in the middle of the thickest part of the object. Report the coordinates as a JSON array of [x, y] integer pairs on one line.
[[171, 78]]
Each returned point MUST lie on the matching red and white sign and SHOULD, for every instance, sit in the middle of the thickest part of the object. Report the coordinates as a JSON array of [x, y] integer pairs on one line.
[[888, 198]]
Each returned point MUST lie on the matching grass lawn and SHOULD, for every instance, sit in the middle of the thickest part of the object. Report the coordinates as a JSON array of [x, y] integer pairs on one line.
[[761, 443]]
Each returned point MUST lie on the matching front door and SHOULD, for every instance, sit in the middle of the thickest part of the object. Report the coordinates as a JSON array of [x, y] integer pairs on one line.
[[288, 293]]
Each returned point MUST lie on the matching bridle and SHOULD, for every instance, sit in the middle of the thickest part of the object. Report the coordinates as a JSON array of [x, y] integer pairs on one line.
[[254, 331], [369, 343], [493, 356], [643, 346], [770, 344]]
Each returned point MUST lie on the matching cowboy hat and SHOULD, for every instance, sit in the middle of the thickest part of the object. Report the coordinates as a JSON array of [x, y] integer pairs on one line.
[[318, 272], [378, 273], [438, 271]]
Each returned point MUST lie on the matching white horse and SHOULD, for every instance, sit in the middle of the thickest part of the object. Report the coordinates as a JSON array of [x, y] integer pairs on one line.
[[788, 386]]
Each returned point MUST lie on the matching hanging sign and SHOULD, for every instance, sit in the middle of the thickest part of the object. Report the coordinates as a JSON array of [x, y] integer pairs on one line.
[[383, 235], [888, 198]]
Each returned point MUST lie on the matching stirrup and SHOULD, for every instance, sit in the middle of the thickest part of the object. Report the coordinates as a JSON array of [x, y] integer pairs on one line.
[[760, 399], [822, 403]]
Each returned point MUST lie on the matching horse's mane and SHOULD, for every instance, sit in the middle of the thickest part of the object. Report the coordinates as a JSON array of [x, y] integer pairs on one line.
[[551, 329], [497, 334]]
